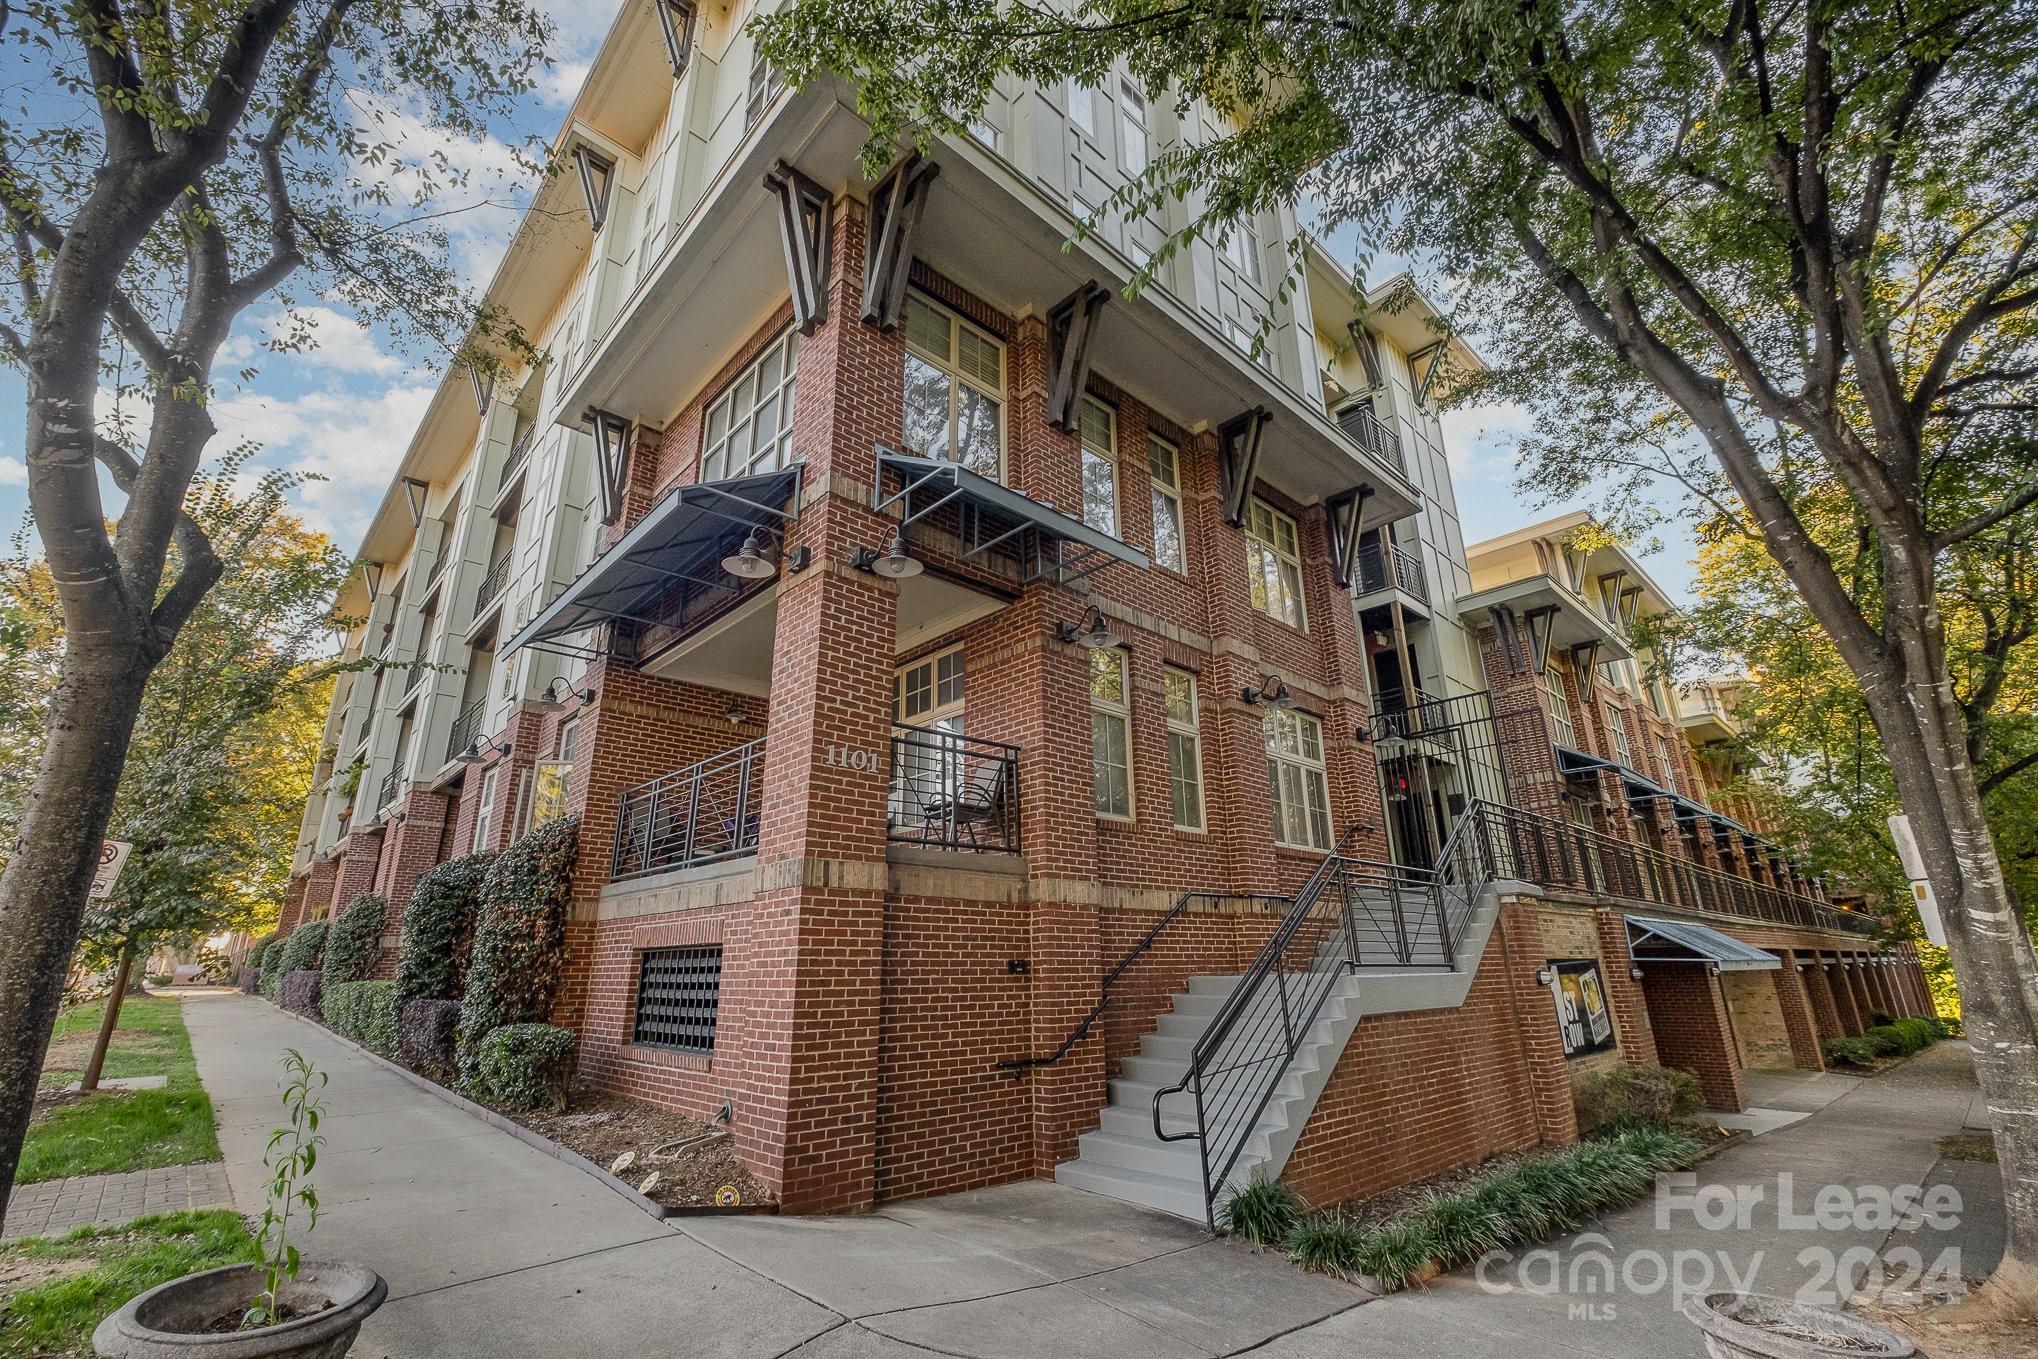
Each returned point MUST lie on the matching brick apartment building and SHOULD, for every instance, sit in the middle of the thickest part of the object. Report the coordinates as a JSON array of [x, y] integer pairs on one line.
[[1018, 730]]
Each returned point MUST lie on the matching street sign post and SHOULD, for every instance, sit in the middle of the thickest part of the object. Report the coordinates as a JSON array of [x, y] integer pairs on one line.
[[1914, 869], [112, 858]]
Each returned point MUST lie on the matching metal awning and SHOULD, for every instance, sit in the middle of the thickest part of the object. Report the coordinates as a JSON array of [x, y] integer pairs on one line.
[[1679, 941], [676, 549], [992, 517], [1578, 762], [1572, 762]]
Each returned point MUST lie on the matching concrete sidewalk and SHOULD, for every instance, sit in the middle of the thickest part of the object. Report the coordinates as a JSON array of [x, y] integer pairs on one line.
[[493, 1248]]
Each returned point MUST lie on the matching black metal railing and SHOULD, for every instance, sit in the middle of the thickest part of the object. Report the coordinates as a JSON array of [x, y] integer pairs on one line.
[[1368, 431], [387, 793], [439, 558], [1124, 965], [520, 452], [951, 791], [492, 583], [1559, 854], [1383, 565], [700, 815], [466, 727]]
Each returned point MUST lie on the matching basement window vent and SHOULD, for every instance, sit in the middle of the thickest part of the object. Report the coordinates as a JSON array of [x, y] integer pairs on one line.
[[678, 992]]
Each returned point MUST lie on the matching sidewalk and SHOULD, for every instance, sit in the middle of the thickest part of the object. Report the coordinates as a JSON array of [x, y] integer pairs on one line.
[[493, 1248], [53, 1207]]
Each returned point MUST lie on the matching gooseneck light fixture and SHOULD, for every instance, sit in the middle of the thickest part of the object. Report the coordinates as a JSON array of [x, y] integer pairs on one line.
[[894, 563], [1091, 633], [1272, 691]]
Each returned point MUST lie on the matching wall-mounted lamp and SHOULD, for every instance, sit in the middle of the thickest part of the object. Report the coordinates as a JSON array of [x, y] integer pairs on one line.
[[474, 754], [1635, 972], [894, 563], [1713, 971], [734, 713], [1272, 691], [1545, 976], [558, 691], [1092, 633]]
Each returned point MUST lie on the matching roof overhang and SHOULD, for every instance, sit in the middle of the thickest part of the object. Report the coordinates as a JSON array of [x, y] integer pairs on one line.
[[1651, 940], [994, 517], [1575, 623]]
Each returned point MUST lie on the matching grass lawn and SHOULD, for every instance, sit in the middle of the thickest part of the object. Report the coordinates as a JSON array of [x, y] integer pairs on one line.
[[55, 1289], [120, 1130]]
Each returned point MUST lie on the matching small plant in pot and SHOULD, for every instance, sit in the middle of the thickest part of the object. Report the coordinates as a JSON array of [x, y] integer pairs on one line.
[[1756, 1326], [285, 1307]]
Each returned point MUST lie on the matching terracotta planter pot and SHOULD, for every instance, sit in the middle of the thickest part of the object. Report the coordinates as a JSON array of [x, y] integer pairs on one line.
[[1755, 1326], [168, 1321]]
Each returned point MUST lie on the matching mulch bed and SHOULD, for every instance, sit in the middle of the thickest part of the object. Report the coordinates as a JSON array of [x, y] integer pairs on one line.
[[603, 1127]]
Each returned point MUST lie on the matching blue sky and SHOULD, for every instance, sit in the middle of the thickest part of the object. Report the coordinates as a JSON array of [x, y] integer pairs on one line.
[[344, 412]]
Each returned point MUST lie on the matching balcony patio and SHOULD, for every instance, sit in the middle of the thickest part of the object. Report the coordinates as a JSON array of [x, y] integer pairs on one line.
[[1383, 566]]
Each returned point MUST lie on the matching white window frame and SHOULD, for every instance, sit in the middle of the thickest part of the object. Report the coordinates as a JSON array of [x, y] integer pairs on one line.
[[1563, 722], [1310, 774], [569, 739], [1110, 711], [1100, 456], [483, 813], [950, 366], [1672, 779], [1273, 594], [1242, 248], [1164, 466], [1132, 128], [716, 463], [1617, 733], [766, 84], [939, 711], [1185, 748]]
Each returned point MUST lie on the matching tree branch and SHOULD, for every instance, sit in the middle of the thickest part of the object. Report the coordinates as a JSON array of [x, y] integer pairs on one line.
[[2016, 503]]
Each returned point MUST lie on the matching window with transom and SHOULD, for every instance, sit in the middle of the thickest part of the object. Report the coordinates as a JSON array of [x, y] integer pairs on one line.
[[955, 389]]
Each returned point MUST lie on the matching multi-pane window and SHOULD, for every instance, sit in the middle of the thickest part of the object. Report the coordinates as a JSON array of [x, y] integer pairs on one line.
[[1110, 733], [1273, 555], [1296, 779], [750, 426], [1559, 704], [765, 83], [1100, 470], [484, 812], [955, 389], [1185, 747], [1242, 247], [1618, 734], [1083, 107], [569, 739], [1163, 463], [678, 992], [1668, 764], [1132, 140], [928, 693]]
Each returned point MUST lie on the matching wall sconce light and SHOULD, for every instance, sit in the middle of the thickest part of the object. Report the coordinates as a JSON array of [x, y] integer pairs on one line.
[[1635, 972], [751, 561], [894, 563], [1714, 971], [1272, 691], [474, 754], [1545, 976], [1092, 633], [558, 691], [734, 712]]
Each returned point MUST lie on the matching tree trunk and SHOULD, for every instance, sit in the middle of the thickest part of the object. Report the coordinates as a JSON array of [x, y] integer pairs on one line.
[[110, 1021], [43, 891], [133, 985]]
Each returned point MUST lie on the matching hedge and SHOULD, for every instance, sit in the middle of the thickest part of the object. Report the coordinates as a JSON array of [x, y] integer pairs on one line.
[[354, 943], [251, 964], [438, 930], [364, 1011], [1900, 1039], [301, 950], [519, 938], [1627, 1096], [525, 1066], [301, 990], [425, 1037]]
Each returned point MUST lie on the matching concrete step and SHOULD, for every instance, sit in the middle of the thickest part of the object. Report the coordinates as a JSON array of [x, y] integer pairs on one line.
[[1127, 1120], [1169, 1047], [1202, 1005], [1212, 986], [1183, 1198], [1179, 1160], [1137, 1096]]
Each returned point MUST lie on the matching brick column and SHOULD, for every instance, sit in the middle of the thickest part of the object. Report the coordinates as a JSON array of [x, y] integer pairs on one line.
[[1624, 993], [1852, 1019], [360, 864], [1524, 730], [1818, 986], [318, 890], [293, 901], [1542, 1048], [1693, 1032], [1857, 981], [1798, 1021], [413, 846]]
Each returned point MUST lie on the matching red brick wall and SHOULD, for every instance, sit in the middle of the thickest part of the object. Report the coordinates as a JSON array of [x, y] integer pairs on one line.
[[1693, 1031]]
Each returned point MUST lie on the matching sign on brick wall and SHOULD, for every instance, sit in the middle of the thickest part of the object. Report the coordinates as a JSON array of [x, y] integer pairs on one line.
[[1583, 1021]]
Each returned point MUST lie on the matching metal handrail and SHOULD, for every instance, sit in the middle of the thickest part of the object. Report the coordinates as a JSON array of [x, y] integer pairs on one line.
[[1134, 954], [703, 814], [1384, 565], [466, 726], [1368, 431], [520, 449], [492, 583], [951, 791]]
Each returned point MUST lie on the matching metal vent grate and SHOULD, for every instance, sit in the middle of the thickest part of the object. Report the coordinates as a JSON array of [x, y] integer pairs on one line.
[[678, 991]]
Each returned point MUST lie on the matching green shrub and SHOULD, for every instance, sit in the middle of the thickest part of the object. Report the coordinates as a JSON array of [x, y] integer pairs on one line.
[[1328, 1243], [1854, 1052], [1636, 1096], [438, 930], [354, 943], [525, 1066], [425, 1037], [302, 950], [257, 951], [1879, 1019], [1919, 1034], [364, 1011], [1264, 1212], [271, 975], [1884, 1041], [519, 938]]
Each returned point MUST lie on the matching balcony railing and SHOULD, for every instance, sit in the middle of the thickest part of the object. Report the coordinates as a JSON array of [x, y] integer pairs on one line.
[[438, 567], [701, 815], [492, 583], [388, 792], [520, 452], [1553, 853], [466, 727], [951, 791], [1383, 565], [1367, 431]]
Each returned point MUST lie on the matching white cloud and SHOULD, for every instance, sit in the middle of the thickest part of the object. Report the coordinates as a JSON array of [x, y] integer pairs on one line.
[[561, 84], [353, 441], [337, 343], [1481, 441], [13, 472]]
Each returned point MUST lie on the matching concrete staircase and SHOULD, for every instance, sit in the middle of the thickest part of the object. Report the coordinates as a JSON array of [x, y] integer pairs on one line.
[[1124, 1160]]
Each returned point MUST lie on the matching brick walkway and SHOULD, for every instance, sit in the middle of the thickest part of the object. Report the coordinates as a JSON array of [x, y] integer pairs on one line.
[[53, 1207]]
